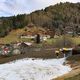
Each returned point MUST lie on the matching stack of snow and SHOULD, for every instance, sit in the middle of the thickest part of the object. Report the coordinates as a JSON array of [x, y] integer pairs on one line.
[[37, 69]]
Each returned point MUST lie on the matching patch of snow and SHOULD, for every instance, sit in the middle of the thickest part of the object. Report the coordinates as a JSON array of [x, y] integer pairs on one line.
[[28, 43], [33, 69]]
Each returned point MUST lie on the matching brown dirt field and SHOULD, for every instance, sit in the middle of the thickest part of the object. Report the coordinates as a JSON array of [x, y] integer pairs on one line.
[[37, 54]]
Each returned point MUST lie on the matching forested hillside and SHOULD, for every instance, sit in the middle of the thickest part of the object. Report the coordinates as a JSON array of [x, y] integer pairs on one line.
[[60, 16]]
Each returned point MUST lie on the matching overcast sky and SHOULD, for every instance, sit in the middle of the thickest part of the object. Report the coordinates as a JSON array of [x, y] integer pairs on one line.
[[14, 7]]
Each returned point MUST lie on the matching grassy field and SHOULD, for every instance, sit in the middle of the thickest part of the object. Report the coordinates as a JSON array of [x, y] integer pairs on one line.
[[14, 37], [76, 40]]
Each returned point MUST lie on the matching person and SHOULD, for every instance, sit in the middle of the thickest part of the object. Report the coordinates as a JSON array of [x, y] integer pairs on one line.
[[57, 53]]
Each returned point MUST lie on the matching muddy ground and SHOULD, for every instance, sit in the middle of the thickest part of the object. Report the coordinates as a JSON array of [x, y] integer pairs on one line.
[[47, 53]]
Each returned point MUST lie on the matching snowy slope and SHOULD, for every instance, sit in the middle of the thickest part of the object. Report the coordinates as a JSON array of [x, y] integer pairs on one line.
[[29, 69]]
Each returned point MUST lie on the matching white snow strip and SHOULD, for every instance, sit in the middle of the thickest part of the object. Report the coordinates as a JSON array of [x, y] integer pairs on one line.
[[29, 69]]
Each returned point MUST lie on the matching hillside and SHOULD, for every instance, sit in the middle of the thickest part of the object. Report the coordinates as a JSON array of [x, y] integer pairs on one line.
[[15, 35], [60, 16]]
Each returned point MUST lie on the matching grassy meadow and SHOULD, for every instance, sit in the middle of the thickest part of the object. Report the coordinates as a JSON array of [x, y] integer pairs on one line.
[[14, 37]]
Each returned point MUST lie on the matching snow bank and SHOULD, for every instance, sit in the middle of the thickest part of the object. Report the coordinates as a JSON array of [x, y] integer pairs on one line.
[[29, 69]]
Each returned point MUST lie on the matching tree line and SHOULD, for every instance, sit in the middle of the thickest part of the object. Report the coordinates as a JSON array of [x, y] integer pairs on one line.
[[59, 16], [9, 23]]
